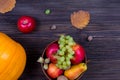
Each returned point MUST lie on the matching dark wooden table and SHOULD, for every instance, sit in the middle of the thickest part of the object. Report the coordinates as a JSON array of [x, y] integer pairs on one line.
[[103, 51]]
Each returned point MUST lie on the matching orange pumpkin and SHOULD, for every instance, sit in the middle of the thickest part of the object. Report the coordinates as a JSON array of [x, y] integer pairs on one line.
[[12, 58]]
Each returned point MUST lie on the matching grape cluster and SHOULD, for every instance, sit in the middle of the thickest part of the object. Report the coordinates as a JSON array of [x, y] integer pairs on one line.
[[65, 53]]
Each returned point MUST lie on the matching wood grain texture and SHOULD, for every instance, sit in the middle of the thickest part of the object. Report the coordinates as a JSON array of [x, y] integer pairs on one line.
[[103, 51]]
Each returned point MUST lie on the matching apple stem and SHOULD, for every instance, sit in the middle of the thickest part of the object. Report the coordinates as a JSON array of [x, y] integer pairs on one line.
[[25, 21]]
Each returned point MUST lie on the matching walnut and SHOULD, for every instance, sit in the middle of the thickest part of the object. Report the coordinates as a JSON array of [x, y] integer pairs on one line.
[[7, 5], [80, 19]]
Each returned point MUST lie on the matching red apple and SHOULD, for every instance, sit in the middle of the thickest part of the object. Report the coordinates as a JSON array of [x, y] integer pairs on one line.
[[26, 24], [53, 71], [51, 50], [79, 54]]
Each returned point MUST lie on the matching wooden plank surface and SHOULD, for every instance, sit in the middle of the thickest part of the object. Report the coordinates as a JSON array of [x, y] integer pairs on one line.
[[103, 51]]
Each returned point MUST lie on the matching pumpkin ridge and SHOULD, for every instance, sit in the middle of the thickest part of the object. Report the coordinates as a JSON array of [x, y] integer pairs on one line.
[[8, 69], [16, 76], [9, 46], [22, 62], [2, 46], [5, 39]]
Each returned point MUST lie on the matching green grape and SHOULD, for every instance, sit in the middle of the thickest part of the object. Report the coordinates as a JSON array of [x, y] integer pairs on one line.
[[71, 43], [66, 41], [62, 58], [59, 41], [59, 62], [59, 51], [63, 49], [71, 39], [59, 59], [64, 63], [60, 66], [64, 67], [67, 47], [69, 50], [72, 52], [68, 62], [70, 56], [62, 36], [62, 40], [61, 46], [68, 37], [67, 59], [62, 53]]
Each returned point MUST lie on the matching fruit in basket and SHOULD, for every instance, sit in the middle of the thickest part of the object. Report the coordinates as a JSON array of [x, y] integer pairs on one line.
[[62, 77], [26, 24], [67, 59], [51, 50], [75, 71], [65, 52], [12, 58], [79, 54], [53, 71]]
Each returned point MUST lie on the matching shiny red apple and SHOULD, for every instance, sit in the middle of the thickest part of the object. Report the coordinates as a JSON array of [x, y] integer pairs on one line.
[[51, 50], [26, 24], [79, 54], [53, 71]]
